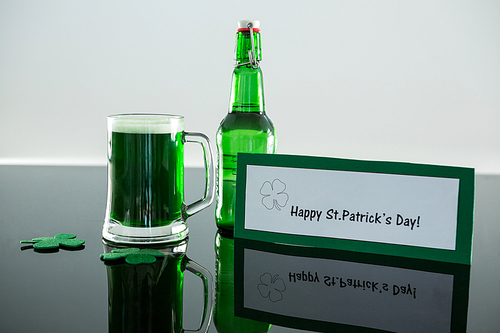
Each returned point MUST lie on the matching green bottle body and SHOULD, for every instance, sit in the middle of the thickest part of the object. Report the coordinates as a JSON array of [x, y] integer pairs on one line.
[[245, 129], [224, 319], [238, 133]]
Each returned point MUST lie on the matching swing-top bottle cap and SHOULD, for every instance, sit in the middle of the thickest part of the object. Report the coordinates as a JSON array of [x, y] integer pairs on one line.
[[243, 25]]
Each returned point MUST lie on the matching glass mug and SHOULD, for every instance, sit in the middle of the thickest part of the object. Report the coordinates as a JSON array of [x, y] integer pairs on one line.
[[145, 202], [149, 297]]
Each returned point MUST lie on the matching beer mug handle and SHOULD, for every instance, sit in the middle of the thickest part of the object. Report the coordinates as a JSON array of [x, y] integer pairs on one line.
[[208, 197], [206, 277]]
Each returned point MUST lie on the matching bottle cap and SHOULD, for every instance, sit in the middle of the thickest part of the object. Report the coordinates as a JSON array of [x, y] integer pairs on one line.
[[243, 25]]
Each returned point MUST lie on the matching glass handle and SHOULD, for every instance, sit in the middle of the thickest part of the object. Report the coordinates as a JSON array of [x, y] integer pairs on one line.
[[208, 197], [206, 277]]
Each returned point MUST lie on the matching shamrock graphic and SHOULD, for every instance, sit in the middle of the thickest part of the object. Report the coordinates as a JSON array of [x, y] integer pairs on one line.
[[274, 195], [133, 255], [53, 243], [272, 287]]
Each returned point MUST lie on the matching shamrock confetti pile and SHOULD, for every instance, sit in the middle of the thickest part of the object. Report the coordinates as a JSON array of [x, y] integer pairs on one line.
[[133, 256], [63, 240]]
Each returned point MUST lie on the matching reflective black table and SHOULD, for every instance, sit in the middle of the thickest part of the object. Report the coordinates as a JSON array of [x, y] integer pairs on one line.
[[67, 290]]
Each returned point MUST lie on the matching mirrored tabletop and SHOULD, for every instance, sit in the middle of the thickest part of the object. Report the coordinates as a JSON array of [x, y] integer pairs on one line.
[[70, 289]]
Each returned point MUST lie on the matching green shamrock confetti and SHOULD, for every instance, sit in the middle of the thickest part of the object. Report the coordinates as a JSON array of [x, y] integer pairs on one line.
[[59, 240], [133, 255], [137, 258]]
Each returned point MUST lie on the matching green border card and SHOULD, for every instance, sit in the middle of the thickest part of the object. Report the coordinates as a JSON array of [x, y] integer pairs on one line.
[[391, 208], [354, 246]]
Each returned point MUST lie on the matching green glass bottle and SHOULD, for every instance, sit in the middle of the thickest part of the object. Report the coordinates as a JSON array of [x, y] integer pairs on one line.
[[224, 318], [246, 128]]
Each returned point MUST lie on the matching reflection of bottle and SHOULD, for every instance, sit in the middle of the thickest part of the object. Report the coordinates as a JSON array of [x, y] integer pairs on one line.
[[149, 297], [246, 128], [224, 318]]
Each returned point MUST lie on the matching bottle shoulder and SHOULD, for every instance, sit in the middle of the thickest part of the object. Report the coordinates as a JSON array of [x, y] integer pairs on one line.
[[258, 121]]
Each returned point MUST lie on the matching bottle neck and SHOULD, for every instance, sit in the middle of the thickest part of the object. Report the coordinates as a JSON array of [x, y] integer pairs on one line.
[[247, 88], [243, 47]]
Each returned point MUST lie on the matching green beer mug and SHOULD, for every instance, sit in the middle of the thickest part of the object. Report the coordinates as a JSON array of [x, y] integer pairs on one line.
[[145, 202], [149, 297]]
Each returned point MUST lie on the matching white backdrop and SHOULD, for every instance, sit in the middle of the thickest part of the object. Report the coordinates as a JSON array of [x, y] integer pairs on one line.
[[415, 81]]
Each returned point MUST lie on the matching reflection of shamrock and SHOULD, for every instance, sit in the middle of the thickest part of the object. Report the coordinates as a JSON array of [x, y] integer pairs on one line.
[[274, 194], [48, 243], [133, 256], [272, 287]]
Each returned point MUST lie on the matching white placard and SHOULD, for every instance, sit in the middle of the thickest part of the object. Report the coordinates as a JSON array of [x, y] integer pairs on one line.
[[376, 207]]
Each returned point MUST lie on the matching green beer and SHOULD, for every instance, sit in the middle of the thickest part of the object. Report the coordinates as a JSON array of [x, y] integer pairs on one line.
[[146, 178], [145, 201]]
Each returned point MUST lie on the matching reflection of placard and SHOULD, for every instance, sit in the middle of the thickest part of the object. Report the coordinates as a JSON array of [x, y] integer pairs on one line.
[[327, 290], [363, 245]]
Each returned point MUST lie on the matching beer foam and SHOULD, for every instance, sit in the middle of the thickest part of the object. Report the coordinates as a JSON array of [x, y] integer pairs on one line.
[[146, 123]]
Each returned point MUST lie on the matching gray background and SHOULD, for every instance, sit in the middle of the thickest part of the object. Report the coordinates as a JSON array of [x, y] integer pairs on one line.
[[414, 81]]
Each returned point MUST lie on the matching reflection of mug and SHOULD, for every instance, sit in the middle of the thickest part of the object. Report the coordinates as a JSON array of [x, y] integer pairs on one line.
[[224, 319], [146, 178], [148, 297]]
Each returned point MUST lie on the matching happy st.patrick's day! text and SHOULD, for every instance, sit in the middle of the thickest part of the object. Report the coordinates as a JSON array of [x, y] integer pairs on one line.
[[314, 215]]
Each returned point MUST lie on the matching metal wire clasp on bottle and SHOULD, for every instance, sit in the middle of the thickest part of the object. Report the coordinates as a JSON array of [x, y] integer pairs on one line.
[[251, 53]]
